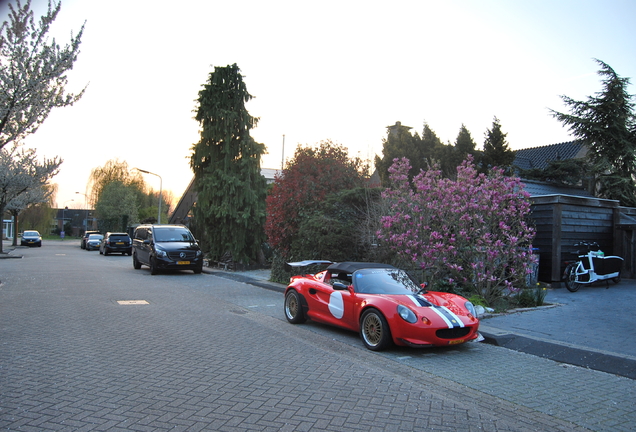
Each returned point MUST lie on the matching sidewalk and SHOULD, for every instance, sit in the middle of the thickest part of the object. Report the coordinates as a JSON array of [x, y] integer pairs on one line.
[[582, 328]]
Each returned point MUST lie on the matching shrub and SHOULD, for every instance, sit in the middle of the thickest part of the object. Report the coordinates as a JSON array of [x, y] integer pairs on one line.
[[471, 231]]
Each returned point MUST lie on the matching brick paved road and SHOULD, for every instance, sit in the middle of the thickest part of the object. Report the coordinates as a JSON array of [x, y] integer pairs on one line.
[[208, 353]]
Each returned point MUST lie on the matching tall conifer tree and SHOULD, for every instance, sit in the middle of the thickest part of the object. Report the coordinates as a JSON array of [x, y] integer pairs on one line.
[[230, 211], [497, 152], [607, 124]]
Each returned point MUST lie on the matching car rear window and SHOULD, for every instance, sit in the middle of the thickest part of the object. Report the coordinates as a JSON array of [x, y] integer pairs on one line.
[[119, 238]]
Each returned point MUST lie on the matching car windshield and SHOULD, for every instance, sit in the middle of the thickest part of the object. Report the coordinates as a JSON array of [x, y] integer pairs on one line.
[[31, 233], [383, 281], [175, 234], [95, 237]]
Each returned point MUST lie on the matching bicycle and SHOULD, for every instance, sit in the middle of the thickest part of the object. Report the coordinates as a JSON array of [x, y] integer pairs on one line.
[[591, 267]]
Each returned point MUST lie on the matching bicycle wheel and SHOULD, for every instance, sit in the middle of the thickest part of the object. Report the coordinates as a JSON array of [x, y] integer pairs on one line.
[[570, 278]]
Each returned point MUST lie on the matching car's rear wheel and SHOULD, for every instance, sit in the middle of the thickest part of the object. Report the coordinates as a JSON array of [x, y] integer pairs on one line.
[[136, 264], [617, 279], [106, 251], [293, 308], [374, 330], [570, 278]]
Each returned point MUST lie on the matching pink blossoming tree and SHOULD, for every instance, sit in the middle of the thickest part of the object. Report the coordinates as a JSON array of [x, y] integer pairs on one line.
[[471, 232]]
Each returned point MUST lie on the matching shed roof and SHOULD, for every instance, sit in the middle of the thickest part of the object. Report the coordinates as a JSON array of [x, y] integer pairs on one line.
[[537, 188]]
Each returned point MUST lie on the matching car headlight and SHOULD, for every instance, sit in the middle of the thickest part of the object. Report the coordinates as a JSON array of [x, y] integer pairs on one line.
[[161, 253], [471, 309], [407, 314]]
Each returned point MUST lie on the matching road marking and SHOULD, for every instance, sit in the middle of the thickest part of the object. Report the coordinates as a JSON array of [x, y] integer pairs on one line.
[[132, 302]]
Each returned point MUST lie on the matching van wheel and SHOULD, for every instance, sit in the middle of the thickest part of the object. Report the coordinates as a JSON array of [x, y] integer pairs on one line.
[[153, 266], [136, 264]]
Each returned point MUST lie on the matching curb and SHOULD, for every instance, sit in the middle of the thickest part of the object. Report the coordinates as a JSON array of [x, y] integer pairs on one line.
[[586, 358], [237, 277], [6, 253]]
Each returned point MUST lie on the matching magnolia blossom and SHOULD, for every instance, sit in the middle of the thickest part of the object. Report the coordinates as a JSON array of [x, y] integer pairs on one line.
[[471, 230]]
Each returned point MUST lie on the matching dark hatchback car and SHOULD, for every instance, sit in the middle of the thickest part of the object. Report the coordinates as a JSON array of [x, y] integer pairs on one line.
[[166, 247], [85, 238], [116, 242], [31, 238]]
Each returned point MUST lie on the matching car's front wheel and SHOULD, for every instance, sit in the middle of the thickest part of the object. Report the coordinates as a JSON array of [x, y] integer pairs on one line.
[[153, 266], [374, 330], [293, 308], [136, 264]]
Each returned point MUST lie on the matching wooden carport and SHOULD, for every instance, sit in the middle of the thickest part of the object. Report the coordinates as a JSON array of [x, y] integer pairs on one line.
[[563, 220]]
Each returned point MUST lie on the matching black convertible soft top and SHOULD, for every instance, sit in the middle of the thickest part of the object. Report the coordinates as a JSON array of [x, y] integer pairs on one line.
[[350, 267], [343, 267]]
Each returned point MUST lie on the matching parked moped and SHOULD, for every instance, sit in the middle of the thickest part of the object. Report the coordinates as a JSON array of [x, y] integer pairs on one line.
[[591, 267]]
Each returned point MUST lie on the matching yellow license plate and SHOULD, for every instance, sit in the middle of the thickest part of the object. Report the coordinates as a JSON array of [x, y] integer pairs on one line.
[[119, 243], [453, 342], [183, 262]]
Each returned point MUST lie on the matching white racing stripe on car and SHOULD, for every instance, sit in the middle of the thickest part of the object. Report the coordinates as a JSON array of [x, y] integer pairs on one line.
[[414, 300], [444, 313], [449, 318]]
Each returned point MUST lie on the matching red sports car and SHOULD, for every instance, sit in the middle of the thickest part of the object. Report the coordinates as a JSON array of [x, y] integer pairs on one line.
[[382, 303]]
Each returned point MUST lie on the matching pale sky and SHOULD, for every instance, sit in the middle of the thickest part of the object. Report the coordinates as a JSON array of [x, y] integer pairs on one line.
[[340, 70]]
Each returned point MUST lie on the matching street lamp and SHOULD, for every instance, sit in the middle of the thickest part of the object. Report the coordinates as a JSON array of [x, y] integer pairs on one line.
[[160, 186], [85, 211]]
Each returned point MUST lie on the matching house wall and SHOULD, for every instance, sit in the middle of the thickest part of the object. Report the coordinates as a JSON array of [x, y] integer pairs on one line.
[[563, 220]]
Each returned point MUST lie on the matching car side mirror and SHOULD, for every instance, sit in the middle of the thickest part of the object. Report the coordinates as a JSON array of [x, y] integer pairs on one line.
[[340, 286], [147, 241]]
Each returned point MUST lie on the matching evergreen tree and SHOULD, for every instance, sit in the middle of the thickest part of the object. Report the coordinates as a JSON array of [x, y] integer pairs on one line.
[[497, 152], [433, 150], [455, 155], [464, 143], [230, 211], [607, 124], [399, 143]]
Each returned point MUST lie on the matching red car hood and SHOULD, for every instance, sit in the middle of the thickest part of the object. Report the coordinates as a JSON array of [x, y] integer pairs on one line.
[[452, 302]]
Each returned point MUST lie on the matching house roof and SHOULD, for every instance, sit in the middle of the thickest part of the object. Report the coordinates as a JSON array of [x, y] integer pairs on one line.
[[537, 188], [540, 157]]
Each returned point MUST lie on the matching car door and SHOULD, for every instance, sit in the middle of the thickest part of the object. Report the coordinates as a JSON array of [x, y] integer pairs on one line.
[[141, 248], [329, 305]]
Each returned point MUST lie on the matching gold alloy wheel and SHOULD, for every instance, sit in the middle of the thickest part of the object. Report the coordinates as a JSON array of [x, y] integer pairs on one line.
[[372, 329], [294, 308], [291, 306]]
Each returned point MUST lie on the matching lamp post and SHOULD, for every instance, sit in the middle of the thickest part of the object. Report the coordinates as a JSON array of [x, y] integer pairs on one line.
[[85, 211], [160, 187]]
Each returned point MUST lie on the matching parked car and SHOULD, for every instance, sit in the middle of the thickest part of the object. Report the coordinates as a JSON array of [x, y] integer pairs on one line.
[[85, 238], [31, 238], [116, 242], [166, 247], [93, 242], [383, 304]]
